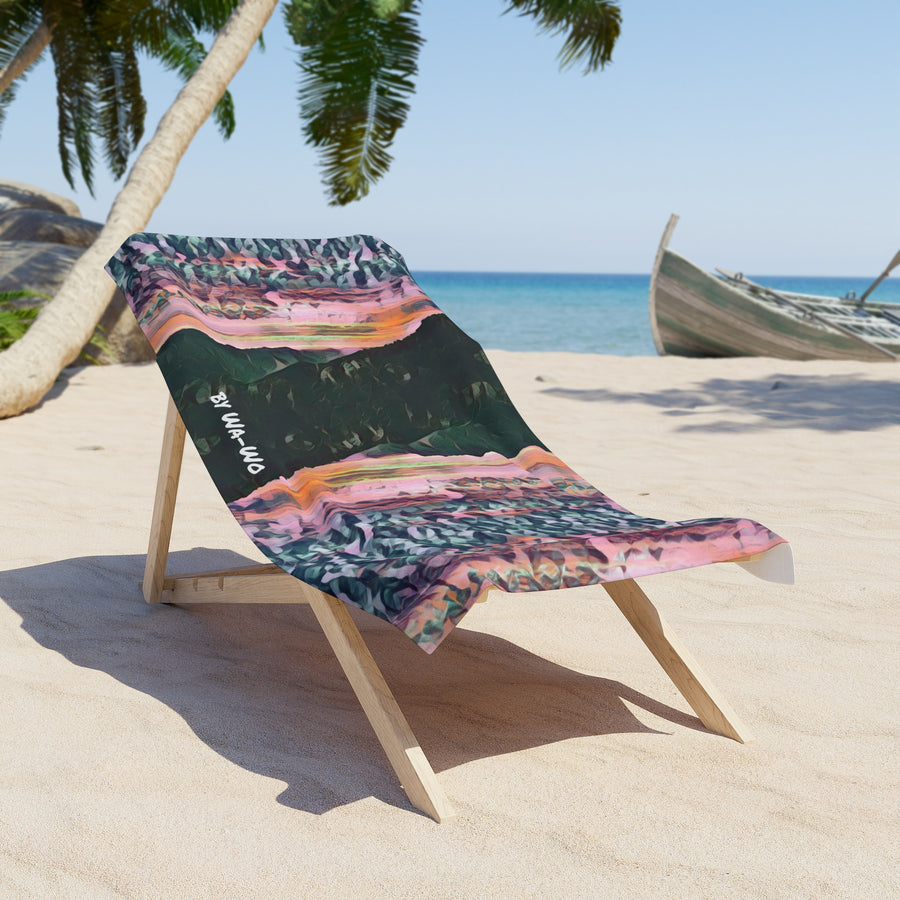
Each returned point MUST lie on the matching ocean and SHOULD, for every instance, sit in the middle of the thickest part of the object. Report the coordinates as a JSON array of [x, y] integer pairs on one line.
[[582, 313]]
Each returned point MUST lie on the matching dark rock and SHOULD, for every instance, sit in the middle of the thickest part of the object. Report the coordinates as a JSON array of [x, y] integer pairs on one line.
[[15, 195], [27, 265], [22, 224]]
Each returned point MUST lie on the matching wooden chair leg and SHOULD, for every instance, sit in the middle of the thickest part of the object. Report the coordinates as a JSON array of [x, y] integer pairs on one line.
[[393, 731], [711, 708], [378, 703], [164, 505]]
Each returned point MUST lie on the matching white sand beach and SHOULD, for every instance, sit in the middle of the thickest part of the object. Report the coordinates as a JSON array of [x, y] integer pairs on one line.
[[218, 751]]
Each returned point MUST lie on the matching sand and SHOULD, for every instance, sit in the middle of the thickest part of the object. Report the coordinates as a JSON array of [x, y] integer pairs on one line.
[[165, 752]]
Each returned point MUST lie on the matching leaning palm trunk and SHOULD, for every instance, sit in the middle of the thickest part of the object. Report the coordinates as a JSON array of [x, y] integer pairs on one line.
[[31, 50], [30, 366]]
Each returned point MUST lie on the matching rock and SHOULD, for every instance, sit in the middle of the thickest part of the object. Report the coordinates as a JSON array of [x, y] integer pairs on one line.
[[43, 267], [27, 265], [15, 195], [41, 236], [122, 340], [22, 224]]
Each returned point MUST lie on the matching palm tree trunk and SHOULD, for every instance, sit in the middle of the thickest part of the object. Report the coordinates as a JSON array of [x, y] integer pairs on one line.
[[30, 366], [28, 53]]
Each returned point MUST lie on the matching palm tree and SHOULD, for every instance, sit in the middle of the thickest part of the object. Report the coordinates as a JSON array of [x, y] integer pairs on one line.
[[94, 48], [358, 58]]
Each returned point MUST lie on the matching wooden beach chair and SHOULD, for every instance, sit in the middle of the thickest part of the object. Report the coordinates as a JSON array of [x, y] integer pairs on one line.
[[366, 446]]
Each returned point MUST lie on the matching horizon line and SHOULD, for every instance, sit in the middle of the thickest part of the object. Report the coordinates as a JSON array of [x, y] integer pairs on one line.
[[611, 274]]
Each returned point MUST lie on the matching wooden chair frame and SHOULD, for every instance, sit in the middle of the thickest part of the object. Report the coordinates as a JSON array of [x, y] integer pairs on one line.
[[270, 584]]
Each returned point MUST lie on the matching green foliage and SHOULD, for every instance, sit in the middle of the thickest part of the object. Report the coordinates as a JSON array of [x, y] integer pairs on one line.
[[18, 22], [16, 320], [95, 46], [358, 59], [22, 294], [182, 54], [169, 31], [388, 9], [96, 347], [591, 28]]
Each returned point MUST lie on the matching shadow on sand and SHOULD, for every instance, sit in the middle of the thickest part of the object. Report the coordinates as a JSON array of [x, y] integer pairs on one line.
[[822, 402], [260, 686]]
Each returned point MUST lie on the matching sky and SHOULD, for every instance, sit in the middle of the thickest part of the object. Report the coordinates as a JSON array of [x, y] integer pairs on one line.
[[771, 128]]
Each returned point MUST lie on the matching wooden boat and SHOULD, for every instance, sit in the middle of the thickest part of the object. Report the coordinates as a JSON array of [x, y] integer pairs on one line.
[[696, 313]]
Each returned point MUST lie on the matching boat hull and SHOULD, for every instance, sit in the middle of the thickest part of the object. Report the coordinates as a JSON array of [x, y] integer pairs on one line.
[[694, 313]]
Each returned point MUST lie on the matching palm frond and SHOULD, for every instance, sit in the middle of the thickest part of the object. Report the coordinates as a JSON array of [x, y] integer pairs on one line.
[[6, 98], [94, 45], [74, 59], [357, 68], [309, 22], [167, 32], [18, 22], [207, 15], [121, 107], [182, 53], [591, 28]]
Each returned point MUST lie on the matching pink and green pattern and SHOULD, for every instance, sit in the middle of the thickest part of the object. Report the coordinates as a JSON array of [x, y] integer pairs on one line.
[[257, 295], [364, 442]]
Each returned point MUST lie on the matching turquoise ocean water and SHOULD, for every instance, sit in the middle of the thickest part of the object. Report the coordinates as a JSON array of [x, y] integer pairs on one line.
[[582, 313]]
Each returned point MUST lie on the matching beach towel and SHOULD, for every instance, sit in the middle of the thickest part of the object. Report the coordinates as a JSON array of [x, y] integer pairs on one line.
[[364, 442]]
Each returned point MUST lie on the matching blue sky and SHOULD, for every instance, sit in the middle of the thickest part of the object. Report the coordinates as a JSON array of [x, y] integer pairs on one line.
[[771, 128]]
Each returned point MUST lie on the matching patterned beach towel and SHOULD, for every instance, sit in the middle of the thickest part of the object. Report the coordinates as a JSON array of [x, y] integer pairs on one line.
[[364, 442]]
